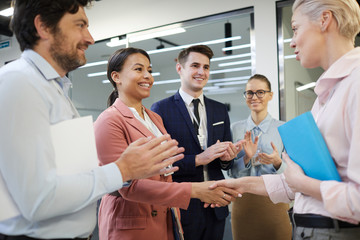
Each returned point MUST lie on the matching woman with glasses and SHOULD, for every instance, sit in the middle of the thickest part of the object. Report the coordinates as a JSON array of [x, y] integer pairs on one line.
[[256, 217]]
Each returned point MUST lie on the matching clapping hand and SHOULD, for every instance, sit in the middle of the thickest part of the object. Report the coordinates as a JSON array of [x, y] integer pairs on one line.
[[272, 158]]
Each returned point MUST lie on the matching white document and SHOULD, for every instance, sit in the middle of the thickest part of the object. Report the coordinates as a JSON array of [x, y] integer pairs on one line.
[[75, 152]]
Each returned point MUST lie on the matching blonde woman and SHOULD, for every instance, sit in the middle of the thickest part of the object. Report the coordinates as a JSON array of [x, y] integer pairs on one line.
[[324, 35]]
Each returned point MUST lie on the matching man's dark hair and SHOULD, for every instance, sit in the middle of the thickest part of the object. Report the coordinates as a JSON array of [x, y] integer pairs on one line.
[[50, 11], [203, 49]]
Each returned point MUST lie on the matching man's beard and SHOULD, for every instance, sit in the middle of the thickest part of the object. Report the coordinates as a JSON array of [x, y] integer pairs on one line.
[[68, 61]]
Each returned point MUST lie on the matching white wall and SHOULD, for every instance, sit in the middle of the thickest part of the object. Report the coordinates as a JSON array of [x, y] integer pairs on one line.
[[112, 18]]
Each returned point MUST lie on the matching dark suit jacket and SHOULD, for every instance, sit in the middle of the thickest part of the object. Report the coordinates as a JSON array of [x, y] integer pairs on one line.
[[178, 124]]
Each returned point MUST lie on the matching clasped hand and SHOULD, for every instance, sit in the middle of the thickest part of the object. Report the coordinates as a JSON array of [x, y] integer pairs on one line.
[[216, 197]]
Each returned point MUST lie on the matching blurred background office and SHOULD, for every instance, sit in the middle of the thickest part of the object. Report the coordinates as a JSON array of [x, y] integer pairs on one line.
[[247, 37]]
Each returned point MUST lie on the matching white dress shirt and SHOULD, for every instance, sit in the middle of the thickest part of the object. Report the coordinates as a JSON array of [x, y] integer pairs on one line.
[[202, 136], [50, 206]]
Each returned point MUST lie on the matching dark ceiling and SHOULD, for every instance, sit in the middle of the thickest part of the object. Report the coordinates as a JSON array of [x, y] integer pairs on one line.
[[4, 21]]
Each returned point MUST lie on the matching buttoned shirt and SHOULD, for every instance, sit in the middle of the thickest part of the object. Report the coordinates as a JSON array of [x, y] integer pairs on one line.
[[268, 133], [32, 98], [203, 135], [337, 114]]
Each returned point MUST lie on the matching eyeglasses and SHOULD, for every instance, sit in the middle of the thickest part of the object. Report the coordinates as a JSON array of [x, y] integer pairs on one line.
[[259, 93]]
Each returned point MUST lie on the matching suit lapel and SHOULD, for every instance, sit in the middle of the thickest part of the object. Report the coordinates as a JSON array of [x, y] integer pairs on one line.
[[130, 118], [210, 120], [179, 102], [156, 120]]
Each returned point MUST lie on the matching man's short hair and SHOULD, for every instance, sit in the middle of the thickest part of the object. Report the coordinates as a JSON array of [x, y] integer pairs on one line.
[[203, 49], [50, 11]]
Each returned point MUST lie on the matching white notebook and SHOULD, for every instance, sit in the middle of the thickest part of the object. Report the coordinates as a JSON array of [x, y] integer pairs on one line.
[[75, 152]]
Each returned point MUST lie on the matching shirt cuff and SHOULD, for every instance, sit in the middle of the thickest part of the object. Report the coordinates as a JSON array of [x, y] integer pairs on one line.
[[277, 188], [113, 177]]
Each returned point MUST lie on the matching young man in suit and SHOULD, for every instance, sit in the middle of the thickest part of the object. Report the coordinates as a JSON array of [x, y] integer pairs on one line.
[[202, 127]]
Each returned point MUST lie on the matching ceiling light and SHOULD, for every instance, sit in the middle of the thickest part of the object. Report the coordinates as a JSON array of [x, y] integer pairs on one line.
[[229, 79], [306, 86], [7, 12], [230, 57], [188, 45], [224, 91], [167, 81], [231, 83], [230, 70], [234, 63], [138, 38], [155, 74], [290, 56], [97, 74], [114, 42], [94, 64], [236, 47]]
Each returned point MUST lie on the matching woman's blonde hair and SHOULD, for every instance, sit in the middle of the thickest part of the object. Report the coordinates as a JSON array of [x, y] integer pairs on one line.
[[345, 12]]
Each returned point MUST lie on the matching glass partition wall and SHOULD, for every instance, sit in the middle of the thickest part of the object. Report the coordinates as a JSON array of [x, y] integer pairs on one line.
[[296, 84], [229, 35]]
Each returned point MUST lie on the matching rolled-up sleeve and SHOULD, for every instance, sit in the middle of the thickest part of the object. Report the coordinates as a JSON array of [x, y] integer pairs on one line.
[[277, 188]]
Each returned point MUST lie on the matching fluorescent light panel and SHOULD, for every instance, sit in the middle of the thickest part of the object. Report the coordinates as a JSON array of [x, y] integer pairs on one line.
[[94, 64], [231, 83], [230, 57], [142, 37], [228, 79], [234, 63], [306, 86], [224, 91], [167, 81], [236, 47], [97, 74], [7, 12], [290, 56], [114, 42], [199, 43], [230, 70]]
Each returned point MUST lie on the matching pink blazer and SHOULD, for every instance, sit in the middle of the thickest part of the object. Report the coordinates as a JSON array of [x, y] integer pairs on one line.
[[141, 211]]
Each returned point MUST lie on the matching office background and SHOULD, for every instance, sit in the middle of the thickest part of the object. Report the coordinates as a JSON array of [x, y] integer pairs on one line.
[[247, 37]]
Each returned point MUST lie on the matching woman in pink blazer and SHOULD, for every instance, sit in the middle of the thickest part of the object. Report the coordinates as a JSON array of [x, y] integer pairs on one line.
[[142, 210]]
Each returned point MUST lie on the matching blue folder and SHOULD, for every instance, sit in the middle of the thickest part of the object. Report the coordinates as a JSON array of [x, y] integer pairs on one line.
[[305, 145]]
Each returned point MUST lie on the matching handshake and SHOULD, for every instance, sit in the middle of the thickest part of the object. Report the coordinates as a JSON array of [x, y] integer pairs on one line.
[[213, 194], [147, 157]]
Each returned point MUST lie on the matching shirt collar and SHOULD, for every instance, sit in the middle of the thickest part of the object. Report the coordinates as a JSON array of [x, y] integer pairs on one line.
[[264, 125], [188, 98], [46, 70], [339, 70]]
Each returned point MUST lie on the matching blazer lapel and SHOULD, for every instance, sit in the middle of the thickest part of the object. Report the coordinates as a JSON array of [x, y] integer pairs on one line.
[[130, 119], [156, 120], [210, 120], [179, 102]]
